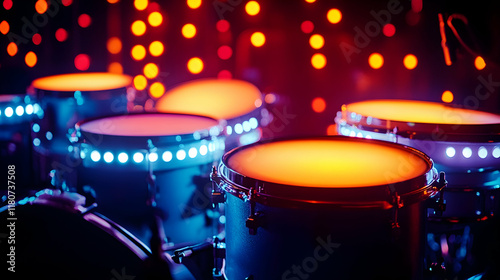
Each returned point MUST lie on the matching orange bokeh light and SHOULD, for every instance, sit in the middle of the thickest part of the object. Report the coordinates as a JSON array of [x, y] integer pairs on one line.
[[410, 61], [4, 27], [138, 52], [12, 49], [252, 8], [258, 39], [376, 60], [318, 60], [140, 82], [479, 63], [30, 59], [195, 65], [114, 45], [188, 30], [41, 6], [156, 48], [193, 4], [115, 67], [334, 16], [138, 28], [141, 4], [316, 41], [151, 70], [156, 90], [318, 105], [447, 96], [331, 129], [155, 19]]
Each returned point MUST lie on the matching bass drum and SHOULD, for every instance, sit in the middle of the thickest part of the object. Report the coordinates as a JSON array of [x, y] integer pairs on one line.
[[51, 235]]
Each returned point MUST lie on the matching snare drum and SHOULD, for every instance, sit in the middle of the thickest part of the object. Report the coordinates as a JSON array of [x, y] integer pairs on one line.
[[324, 208], [67, 99], [238, 102], [116, 154]]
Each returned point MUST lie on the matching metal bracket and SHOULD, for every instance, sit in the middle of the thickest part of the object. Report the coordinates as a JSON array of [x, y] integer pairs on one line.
[[396, 203], [254, 221], [439, 205], [217, 195]]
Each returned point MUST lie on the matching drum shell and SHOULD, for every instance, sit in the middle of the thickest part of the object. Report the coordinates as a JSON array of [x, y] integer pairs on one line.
[[363, 243]]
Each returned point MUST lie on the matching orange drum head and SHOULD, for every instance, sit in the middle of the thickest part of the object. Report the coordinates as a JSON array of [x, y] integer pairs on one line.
[[83, 82]]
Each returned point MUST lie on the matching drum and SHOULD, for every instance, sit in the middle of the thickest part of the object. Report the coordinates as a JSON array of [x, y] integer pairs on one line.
[[67, 99], [236, 101], [53, 236], [117, 154], [16, 114], [324, 208]]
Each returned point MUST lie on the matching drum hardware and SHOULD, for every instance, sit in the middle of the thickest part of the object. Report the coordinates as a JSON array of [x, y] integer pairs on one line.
[[439, 205], [255, 219]]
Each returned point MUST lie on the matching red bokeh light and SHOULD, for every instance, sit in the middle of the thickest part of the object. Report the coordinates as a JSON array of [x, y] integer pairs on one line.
[[37, 39], [84, 20], [61, 35], [389, 30], [224, 75], [224, 52], [7, 4], [82, 62], [307, 26], [222, 25]]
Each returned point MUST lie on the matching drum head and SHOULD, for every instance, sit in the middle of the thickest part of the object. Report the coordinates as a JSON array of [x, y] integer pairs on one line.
[[82, 82]]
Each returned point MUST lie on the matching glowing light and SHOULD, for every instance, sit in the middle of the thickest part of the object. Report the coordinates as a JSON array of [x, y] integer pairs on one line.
[[188, 30], [246, 126], [318, 60], [376, 60], [496, 152], [252, 8], [270, 98], [229, 130], [19, 110], [84, 20], [479, 63], [224, 52], [316, 41], [318, 105], [41, 6], [389, 30], [253, 123], [156, 90], [82, 62], [334, 16], [113, 1], [138, 157], [331, 129], [36, 128], [29, 109], [108, 157], [467, 152], [155, 19], [224, 75], [151, 70], [36, 142], [167, 156], [122, 157], [180, 155], [140, 82], [310, 1], [156, 48], [4, 27], [7, 4], [222, 25], [482, 152], [258, 103], [193, 4], [115, 67], [138, 28], [258, 39], [95, 156], [61, 35], [30, 59], [12, 49], [138, 52], [238, 128], [141, 4], [69, 2], [203, 150], [307, 26], [37, 39], [114, 45], [447, 96], [195, 65], [450, 152], [192, 152], [153, 157], [410, 61]]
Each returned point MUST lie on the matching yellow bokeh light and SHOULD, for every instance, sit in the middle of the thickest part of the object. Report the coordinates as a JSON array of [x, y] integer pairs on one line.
[[193, 4], [316, 41], [258, 39], [30, 59], [4, 27], [156, 90], [155, 19], [141, 4], [156, 48], [113, 1], [41, 6], [138, 52], [115, 67], [447, 96], [376, 60], [252, 8], [310, 1], [188, 30], [138, 28], [410, 61], [151, 70], [114, 45], [12, 49], [140, 82], [318, 60], [195, 65], [479, 63], [334, 16]]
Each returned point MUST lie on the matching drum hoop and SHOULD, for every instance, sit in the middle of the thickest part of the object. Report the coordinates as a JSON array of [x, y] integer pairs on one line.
[[103, 94]]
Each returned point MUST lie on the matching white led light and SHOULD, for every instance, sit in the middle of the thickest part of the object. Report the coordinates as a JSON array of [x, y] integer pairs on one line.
[[482, 152], [467, 152], [49, 135], [36, 142], [36, 128], [181, 154], [29, 109], [360, 135], [352, 134], [82, 155], [496, 152], [122, 157], [253, 123], [95, 156], [153, 157], [214, 131], [368, 137], [203, 150], [108, 157], [211, 147], [450, 152], [229, 130], [238, 128], [192, 152], [138, 157], [70, 148], [246, 126], [167, 156], [9, 112], [36, 108], [19, 110]]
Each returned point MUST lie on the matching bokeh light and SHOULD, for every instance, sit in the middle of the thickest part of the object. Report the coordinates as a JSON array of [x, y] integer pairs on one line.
[[316, 41], [410, 61], [141, 4], [479, 63], [447, 96], [224, 75], [389, 30], [331, 129], [138, 52], [188, 30], [12, 49], [115, 67], [156, 48], [151, 70], [252, 8], [156, 90], [30, 59], [334, 16], [113, 1], [195, 65], [310, 1], [7, 4], [4, 27], [376, 60], [222, 25], [307, 26], [318, 105], [114, 45], [61, 35], [270, 98], [37, 39], [224, 52], [41, 6], [155, 19], [84, 20], [138, 28], [69, 2], [82, 62], [318, 60], [258, 39], [193, 4], [140, 82]]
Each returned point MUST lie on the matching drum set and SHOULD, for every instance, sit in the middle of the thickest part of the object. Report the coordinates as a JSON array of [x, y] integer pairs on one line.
[[190, 190]]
